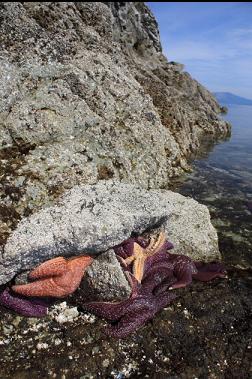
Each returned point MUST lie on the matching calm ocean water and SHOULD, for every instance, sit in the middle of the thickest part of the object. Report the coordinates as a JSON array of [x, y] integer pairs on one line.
[[222, 180]]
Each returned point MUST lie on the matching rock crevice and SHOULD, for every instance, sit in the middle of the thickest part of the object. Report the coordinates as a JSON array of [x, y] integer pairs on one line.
[[93, 218]]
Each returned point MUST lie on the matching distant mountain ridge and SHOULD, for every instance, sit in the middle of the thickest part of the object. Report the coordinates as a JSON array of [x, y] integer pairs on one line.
[[230, 98]]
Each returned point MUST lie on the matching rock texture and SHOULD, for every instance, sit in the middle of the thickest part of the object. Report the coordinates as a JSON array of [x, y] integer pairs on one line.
[[94, 218], [206, 333], [86, 94], [103, 280]]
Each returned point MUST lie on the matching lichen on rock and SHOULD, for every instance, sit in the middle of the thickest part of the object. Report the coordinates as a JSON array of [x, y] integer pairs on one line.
[[86, 94], [95, 218]]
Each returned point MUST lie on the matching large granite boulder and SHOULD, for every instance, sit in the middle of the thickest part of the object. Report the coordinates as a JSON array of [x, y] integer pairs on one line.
[[94, 218]]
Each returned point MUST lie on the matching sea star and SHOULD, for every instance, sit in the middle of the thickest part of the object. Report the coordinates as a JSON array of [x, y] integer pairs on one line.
[[134, 312], [249, 205], [138, 251], [162, 271], [26, 307], [182, 266], [57, 277]]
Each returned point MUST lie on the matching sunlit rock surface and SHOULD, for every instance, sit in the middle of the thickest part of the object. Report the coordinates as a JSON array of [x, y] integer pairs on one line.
[[86, 94], [94, 218]]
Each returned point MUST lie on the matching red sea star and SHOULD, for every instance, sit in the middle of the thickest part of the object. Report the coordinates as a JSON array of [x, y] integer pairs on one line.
[[57, 277]]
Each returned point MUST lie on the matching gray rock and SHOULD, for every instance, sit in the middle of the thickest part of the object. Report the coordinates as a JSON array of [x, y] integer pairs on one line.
[[94, 218], [22, 278], [104, 280], [85, 95]]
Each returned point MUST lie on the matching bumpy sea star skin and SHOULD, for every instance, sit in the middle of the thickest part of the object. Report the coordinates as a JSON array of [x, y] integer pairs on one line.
[[181, 266], [57, 277], [161, 271], [170, 271], [141, 310], [249, 205], [134, 312], [137, 251], [25, 307], [209, 271]]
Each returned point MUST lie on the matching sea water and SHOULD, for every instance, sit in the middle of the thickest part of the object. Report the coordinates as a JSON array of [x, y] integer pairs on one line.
[[222, 179]]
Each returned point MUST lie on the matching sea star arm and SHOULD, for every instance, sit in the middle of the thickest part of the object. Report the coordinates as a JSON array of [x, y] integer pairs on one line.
[[61, 285], [209, 271], [138, 258], [40, 288], [25, 307], [125, 249], [155, 245], [123, 263], [129, 260], [53, 267], [71, 279], [155, 277], [163, 299], [134, 284], [138, 266], [184, 279], [129, 324], [109, 311], [138, 314], [162, 287], [183, 273]]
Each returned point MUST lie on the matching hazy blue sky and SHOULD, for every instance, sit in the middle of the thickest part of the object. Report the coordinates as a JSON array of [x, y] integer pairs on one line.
[[213, 40]]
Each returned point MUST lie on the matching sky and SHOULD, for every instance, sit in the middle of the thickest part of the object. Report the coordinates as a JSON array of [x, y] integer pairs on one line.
[[213, 41]]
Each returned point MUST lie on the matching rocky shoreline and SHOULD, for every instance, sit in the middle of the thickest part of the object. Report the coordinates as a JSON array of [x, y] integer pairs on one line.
[[87, 95], [198, 335], [95, 123]]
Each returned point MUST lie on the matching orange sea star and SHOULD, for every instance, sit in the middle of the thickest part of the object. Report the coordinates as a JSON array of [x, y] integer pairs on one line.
[[140, 254], [58, 277]]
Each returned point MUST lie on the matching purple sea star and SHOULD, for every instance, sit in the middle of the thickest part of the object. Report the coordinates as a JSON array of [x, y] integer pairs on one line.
[[162, 271], [181, 266], [27, 307], [134, 312], [249, 205]]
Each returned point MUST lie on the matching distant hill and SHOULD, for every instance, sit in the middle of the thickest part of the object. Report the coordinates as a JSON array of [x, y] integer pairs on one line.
[[230, 98]]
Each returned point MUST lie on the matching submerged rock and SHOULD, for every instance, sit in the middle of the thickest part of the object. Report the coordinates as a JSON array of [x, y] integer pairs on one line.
[[94, 218]]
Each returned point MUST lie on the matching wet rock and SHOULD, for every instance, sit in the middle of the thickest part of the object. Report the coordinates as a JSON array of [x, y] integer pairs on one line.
[[22, 278], [94, 218]]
